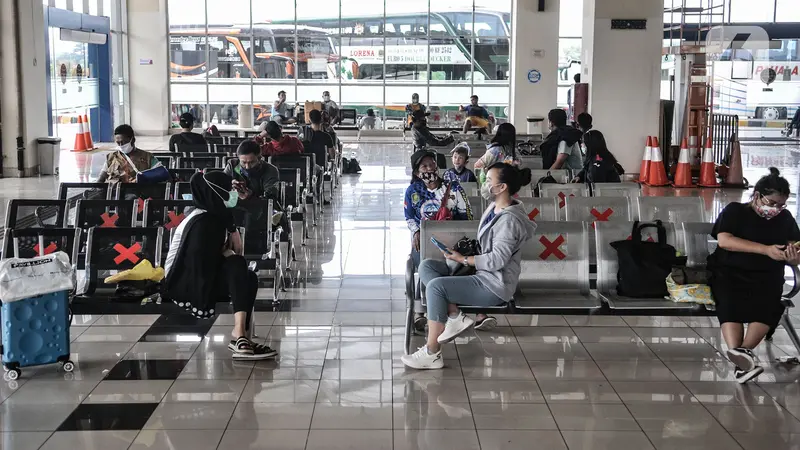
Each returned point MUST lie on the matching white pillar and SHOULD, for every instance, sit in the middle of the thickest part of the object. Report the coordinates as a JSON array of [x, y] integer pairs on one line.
[[534, 47], [623, 69], [22, 84], [148, 41]]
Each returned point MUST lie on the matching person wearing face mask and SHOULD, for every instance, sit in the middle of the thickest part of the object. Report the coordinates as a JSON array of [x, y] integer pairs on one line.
[[503, 230], [412, 108], [204, 265], [459, 171], [424, 196], [756, 240], [252, 176], [330, 107], [122, 164]]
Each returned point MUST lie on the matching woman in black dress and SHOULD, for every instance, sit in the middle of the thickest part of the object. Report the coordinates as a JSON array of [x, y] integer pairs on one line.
[[747, 269], [204, 264]]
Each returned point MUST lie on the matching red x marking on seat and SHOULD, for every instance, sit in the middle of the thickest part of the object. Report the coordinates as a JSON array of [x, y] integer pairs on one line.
[[601, 217], [127, 253], [563, 199], [109, 220], [551, 248], [47, 250], [532, 215], [174, 219], [140, 204], [649, 238]]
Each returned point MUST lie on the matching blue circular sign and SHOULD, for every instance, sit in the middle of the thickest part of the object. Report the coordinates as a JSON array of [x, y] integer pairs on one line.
[[534, 76]]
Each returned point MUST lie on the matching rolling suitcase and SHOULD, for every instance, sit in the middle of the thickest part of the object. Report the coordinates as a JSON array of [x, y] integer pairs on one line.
[[35, 313]]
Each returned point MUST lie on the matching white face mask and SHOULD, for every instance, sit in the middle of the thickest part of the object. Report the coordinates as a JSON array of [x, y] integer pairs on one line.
[[126, 148]]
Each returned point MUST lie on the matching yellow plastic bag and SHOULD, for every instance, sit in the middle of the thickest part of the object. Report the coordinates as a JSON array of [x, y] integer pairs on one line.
[[689, 293], [142, 271]]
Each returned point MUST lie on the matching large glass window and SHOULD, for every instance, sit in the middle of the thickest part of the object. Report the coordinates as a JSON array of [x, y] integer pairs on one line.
[[376, 55]]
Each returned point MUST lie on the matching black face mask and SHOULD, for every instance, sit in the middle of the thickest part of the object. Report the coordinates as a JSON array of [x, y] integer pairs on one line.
[[428, 177]]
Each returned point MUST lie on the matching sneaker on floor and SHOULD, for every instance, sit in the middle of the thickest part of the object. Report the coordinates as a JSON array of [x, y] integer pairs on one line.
[[454, 327], [423, 360], [486, 324], [743, 376], [742, 358]]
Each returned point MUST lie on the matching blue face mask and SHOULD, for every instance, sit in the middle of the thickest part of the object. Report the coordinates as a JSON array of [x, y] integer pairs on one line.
[[233, 196]]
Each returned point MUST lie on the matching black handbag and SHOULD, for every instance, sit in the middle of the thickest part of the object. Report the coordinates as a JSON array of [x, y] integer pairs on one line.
[[466, 247], [644, 266]]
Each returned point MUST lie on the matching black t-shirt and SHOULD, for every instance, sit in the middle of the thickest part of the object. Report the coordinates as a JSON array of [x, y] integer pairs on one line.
[[320, 142], [740, 220], [187, 138]]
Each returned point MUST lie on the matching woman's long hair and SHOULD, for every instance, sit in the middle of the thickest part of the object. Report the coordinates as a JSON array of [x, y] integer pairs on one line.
[[596, 146], [506, 136]]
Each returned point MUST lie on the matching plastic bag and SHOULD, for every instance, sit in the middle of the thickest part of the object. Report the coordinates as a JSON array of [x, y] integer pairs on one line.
[[689, 293], [22, 278]]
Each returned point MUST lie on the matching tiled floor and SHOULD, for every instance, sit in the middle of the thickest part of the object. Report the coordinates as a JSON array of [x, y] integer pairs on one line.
[[550, 382]]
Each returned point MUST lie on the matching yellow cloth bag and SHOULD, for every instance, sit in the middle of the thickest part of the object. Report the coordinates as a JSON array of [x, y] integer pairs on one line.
[[142, 271]]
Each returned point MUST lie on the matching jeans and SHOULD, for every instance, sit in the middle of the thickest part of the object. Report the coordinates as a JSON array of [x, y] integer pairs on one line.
[[441, 289]]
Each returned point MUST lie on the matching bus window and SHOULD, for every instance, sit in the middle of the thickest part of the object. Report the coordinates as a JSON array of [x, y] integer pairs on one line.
[[233, 55], [187, 56], [406, 71]]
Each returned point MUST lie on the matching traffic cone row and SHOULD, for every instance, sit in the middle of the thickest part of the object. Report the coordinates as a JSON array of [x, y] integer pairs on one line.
[[83, 138], [683, 171], [656, 173]]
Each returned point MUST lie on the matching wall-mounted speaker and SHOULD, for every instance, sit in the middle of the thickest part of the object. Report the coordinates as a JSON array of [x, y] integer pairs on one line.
[[541, 5]]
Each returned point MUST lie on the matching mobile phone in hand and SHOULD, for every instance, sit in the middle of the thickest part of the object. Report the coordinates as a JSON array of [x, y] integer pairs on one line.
[[441, 246]]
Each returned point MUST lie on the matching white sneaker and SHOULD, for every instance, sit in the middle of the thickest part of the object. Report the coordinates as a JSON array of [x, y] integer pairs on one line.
[[454, 327], [422, 360]]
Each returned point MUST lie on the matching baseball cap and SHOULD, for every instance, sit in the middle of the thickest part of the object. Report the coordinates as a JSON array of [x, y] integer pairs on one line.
[[416, 158]]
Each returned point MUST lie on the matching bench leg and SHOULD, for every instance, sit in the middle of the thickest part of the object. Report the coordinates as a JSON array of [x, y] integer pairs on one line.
[[410, 298], [790, 330]]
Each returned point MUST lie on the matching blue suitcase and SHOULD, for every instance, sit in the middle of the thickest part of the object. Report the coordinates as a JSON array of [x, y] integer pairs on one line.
[[36, 332]]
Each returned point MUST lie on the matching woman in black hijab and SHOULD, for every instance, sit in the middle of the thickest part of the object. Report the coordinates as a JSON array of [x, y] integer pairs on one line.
[[204, 264]]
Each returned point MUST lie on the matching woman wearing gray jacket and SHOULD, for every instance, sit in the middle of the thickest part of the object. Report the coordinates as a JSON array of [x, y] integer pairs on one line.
[[503, 230]]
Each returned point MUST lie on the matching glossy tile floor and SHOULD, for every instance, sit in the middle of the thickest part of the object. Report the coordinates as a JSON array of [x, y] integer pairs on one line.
[[543, 382]]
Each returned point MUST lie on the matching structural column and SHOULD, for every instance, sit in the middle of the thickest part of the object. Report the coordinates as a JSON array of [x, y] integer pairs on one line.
[[148, 66], [23, 106], [623, 70], [534, 60]]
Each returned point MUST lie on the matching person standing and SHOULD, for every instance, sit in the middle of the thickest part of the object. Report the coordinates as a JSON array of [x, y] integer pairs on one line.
[[330, 107]]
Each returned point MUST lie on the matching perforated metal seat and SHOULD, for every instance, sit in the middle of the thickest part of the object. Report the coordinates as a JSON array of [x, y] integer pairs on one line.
[[597, 209], [555, 270], [541, 208], [675, 210], [608, 265]]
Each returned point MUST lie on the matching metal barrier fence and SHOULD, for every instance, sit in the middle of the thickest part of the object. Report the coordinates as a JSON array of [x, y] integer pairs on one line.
[[723, 127]]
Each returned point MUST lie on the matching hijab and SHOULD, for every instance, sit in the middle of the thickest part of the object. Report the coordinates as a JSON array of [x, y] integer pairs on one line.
[[207, 196]]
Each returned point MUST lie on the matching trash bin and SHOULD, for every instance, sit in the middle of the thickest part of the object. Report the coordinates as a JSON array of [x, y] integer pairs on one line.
[[245, 116], [535, 124], [49, 149]]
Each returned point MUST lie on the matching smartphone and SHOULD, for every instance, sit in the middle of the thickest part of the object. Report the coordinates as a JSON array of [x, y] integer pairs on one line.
[[441, 246]]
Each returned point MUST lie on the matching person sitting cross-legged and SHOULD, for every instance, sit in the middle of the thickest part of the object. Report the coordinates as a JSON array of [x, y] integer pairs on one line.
[[503, 230]]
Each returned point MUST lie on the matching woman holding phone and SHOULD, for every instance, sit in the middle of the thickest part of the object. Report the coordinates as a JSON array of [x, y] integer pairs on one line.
[[756, 241], [503, 230]]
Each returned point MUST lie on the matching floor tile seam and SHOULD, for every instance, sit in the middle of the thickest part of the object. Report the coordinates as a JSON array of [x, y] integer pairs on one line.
[[702, 404], [52, 433], [172, 383]]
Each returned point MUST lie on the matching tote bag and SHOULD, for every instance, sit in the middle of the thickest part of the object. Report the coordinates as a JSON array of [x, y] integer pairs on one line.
[[644, 266]]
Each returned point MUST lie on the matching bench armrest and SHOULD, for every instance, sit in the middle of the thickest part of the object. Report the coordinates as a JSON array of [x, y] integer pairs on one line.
[[410, 288], [796, 285]]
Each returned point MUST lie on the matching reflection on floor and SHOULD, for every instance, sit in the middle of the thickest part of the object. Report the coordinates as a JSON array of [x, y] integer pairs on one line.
[[550, 382]]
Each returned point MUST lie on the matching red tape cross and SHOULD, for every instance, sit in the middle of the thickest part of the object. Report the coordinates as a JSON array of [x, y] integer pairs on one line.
[[47, 250], [551, 248], [532, 215], [601, 217], [109, 220], [563, 199], [127, 253], [649, 238], [140, 204], [174, 219]]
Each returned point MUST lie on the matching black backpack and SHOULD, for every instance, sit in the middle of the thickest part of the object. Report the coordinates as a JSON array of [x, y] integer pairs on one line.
[[644, 266], [545, 179], [350, 166]]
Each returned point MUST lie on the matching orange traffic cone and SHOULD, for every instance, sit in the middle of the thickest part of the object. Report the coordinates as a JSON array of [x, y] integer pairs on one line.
[[80, 138], [644, 170], [735, 177], [683, 172], [657, 175], [87, 133], [708, 175]]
